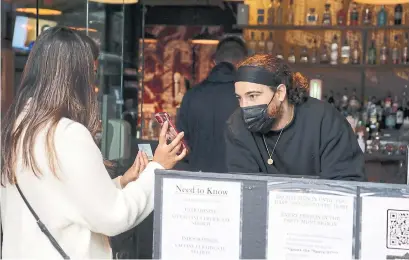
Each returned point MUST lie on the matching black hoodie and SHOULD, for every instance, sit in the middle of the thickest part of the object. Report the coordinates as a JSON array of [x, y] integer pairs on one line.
[[319, 141]]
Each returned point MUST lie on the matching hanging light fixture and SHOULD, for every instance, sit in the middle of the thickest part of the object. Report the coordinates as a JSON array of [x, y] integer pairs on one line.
[[205, 38], [118, 2], [41, 11], [382, 2], [149, 38], [83, 29]]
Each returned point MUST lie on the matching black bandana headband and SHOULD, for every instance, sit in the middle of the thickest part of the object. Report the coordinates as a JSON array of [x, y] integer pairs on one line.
[[256, 75]]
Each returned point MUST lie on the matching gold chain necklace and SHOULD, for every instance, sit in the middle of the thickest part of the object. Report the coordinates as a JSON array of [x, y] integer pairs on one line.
[[270, 160]]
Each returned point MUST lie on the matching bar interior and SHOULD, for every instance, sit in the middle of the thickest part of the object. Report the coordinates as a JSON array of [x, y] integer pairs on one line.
[[355, 54]]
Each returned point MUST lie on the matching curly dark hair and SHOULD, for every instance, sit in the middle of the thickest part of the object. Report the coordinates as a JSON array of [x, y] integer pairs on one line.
[[297, 85]]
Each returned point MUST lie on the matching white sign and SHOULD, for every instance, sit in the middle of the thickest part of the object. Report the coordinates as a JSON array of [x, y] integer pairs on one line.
[[201, 219], [310, 226], [385, 228]]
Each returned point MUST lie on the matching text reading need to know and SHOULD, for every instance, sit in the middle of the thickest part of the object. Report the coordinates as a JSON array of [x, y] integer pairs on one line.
[[201, 190]]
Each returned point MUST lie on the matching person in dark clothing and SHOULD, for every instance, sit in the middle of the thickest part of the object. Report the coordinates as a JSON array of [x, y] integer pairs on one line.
[[206, 107], [279, 129]]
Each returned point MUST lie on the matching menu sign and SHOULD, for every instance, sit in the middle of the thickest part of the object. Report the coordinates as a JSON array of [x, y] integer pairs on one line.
[[200, 219], [310, 226]]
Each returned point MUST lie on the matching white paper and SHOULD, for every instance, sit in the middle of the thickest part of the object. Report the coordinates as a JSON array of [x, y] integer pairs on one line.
[[146, 148], [384, 228], [201, 219], [310, 226]]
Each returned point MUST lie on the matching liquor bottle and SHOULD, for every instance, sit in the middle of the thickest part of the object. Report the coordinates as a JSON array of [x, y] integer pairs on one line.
[[324, 57], [354, 105], [395, 104], [398, 14], [372, 53], [354, 14], [334, 50], [356, 55], [270, 43], [406, 18], [367, 16], [345, 100], [326, 16], [279, 14], [373, 114], [383, 53], [291, 56], [345, 52], [261, 44], [314, 54], [271, 13], [341, 16], [405, 105], [365, 111], [260, 16], [405, 50], [304, 55], [390, 120], [388, 102], [252, 43], [400, 113], [279, 53], [382, 16], [291, 14], [312, 17], [395, 50], [390, 117]]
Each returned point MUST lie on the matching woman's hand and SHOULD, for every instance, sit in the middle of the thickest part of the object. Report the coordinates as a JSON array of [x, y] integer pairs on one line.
[[166, 154], [138, 166]]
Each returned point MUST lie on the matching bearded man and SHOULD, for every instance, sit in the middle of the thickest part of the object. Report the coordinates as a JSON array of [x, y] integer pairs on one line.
[[279, 129]]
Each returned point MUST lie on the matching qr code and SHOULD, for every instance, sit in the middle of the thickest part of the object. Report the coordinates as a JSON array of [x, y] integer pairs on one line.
[[398, 229]]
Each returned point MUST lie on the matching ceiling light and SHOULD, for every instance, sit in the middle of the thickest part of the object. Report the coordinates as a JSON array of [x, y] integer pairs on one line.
[[205, 38], [41, 11], [83, 29], [149, 38]]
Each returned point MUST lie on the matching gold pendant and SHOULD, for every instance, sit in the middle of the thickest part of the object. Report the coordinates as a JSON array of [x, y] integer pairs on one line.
[[270, 161]]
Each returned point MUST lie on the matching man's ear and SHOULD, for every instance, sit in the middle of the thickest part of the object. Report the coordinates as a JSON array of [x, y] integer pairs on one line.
[[281, 92]]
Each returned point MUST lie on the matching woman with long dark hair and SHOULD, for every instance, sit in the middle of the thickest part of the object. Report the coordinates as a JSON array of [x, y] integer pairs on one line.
[[50, 156]]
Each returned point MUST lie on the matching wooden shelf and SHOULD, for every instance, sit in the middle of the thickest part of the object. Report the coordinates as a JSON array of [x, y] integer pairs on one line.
[[379, 157], [321, 27], [349, 66]]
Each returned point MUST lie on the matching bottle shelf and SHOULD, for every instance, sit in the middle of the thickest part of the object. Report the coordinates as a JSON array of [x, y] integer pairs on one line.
[[349, 66], [322, 27]]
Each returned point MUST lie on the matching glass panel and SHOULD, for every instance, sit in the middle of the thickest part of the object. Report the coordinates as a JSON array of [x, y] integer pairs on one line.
[[105, 24]]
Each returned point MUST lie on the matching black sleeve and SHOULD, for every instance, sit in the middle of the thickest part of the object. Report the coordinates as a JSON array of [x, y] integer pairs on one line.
[[341, 156], [238, 158], [182, 121]]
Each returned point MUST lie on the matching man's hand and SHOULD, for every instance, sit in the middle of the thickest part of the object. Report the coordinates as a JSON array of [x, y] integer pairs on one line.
[[138, 166]]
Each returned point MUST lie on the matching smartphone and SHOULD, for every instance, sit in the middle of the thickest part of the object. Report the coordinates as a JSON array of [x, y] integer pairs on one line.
[[162, 117]]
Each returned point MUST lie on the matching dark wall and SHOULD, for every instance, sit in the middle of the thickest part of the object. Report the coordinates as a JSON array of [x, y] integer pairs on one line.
[[190, 15]]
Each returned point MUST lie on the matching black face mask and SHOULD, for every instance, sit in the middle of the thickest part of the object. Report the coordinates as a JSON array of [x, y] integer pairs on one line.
[[257, 118]]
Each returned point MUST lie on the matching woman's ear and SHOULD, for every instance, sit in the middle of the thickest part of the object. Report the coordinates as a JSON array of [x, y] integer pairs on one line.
[[281, 92]]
